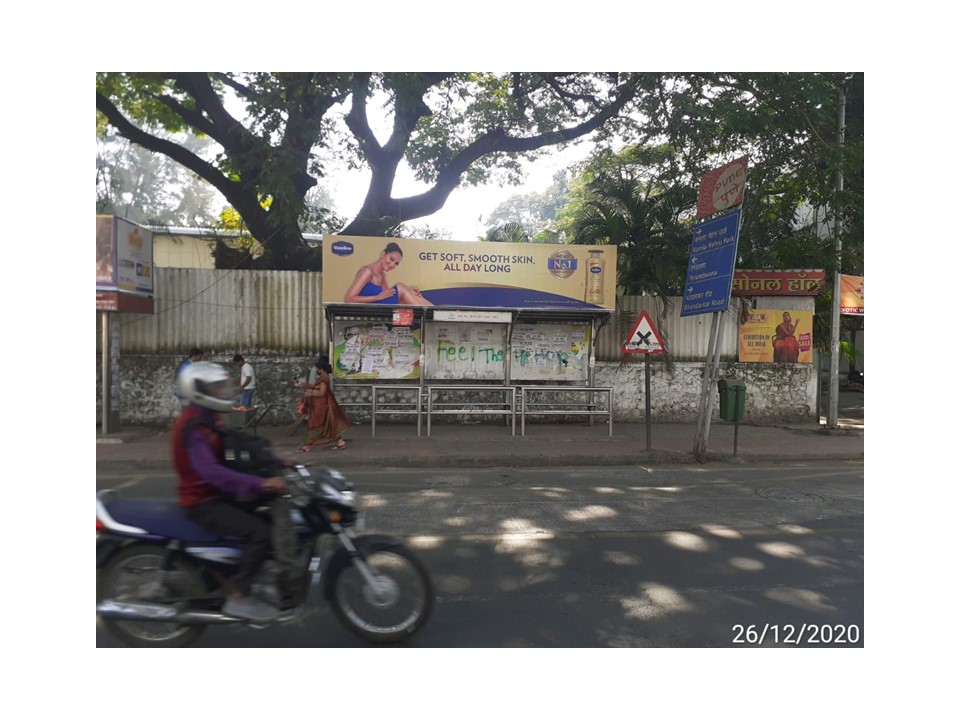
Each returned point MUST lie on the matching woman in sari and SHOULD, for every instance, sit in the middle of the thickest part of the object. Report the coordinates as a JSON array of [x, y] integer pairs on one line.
[[327, 419], [785, 346]]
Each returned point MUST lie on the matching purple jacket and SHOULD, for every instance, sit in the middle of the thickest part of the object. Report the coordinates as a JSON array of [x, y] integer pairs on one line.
[[213, 472]]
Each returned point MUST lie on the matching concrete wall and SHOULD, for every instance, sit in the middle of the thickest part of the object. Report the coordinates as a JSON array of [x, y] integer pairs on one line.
[[775, 393]]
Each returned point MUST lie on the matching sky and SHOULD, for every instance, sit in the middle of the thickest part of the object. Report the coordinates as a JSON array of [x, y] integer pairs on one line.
[[466, 210]]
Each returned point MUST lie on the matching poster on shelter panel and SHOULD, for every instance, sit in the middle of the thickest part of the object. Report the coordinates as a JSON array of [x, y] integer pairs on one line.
[[784, 336], [445, 273], [465, 351], [550, 351], [375, 351]]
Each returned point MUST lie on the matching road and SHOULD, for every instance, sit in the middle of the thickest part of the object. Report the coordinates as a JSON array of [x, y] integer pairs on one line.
[[663, 556]]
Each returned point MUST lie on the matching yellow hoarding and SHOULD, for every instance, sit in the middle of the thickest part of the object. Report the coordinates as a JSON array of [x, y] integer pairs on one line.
[[445, 273], [777, 336]]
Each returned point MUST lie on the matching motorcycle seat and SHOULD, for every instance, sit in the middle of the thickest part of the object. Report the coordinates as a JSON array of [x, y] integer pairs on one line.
[[164, 518]]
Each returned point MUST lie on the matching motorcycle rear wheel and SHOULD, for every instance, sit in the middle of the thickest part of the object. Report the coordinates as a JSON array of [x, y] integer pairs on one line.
[[394, 611], [133, 575]]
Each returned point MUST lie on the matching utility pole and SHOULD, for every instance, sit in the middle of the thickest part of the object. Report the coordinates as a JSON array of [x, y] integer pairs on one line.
[[834, 399]]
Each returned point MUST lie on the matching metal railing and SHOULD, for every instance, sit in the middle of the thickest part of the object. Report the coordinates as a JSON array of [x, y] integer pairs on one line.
[[565, 406], [506, 407], [516, 399], [396, 407]]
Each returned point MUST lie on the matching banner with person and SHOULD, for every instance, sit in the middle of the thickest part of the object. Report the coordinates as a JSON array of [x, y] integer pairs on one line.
[[777, 336], [445, 273], [851, 295]]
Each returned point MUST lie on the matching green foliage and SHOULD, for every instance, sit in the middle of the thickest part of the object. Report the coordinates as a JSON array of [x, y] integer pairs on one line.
[[279, 131], [642, 198]]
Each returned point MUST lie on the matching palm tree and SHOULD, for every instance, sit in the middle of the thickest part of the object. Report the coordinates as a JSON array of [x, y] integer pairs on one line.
[[509, 232], [644, 222]]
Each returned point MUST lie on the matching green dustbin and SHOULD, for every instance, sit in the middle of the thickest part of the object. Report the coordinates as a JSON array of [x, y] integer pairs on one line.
[[733, 398]]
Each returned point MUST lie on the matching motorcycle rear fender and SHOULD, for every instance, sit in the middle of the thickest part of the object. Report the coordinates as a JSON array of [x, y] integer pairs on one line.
[[109, 545], [342, 559]]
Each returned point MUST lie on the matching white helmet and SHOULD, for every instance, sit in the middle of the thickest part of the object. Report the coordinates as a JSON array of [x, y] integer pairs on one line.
[[207, 384]]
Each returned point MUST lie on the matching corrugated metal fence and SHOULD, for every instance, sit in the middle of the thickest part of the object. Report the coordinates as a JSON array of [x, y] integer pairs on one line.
[[279, 312], [236, 310]]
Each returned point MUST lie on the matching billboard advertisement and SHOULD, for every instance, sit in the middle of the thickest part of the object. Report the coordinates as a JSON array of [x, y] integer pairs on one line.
[[106, 252], [851, 295], [445, 273], [124, 256], [777, 336]]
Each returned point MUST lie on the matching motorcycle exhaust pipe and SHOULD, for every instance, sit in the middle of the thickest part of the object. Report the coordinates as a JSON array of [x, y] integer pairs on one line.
[[151, 612]]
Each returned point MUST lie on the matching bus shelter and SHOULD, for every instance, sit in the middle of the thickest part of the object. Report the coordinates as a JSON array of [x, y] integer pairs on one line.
[[457, 330]]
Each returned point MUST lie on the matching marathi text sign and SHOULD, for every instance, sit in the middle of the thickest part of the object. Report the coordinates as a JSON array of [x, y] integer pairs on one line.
[[723, 188], [444, 273], [777, 336], [778, 282], [851, 295], [713, 254]]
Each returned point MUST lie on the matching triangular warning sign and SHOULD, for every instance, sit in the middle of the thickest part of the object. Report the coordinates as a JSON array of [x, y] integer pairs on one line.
[[644, 338]]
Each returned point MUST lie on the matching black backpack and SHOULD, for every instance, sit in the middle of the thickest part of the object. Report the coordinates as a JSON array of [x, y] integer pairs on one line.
[[243, 452]]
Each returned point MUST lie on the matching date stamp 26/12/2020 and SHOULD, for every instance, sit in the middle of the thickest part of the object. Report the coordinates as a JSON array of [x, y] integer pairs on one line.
[[806, 634]]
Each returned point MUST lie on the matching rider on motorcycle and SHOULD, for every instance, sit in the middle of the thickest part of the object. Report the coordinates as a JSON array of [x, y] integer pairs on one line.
[[208, 489]]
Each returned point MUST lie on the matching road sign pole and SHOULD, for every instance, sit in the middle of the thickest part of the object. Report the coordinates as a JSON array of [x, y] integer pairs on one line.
[[706, 396], [646, 395]]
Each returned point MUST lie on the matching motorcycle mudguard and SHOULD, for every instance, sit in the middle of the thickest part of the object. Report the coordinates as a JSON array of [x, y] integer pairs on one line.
[[107, 545], [342, 559]]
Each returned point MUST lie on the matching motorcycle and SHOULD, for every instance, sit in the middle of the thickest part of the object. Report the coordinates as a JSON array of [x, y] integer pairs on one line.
[[162, 579]]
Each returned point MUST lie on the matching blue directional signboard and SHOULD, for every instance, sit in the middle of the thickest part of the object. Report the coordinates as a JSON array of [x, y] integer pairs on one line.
[[713, 255]]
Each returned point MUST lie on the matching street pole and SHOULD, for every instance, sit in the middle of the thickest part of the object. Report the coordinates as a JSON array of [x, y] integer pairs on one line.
[[834, 400], [646, 394], [105, 379], [707, 388]]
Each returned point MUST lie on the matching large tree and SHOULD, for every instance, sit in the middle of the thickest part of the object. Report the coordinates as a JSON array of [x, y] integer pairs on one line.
[[642, 199], [450, 128]]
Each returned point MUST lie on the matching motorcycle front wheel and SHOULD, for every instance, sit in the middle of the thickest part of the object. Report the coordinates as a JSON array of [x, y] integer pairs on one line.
[[135, 575], [392, 609]]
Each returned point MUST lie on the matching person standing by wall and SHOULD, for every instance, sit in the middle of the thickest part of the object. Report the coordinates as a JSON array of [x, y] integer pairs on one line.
[[195, 355], [248, 383]]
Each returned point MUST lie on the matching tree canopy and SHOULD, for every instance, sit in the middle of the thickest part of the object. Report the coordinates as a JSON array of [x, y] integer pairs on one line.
[[279, 131]]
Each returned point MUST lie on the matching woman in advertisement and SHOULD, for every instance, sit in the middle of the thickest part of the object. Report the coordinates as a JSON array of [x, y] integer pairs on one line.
[[786, 349], [371, 286]]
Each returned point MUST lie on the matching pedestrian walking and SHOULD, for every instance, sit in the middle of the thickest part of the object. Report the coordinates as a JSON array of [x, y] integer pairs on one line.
[[248, 382], [327, 421]]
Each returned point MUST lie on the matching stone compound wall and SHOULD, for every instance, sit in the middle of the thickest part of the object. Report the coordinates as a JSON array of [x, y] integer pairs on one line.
[[776, 393]]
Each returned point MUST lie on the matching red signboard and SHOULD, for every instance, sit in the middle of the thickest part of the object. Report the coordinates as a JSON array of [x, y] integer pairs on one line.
[[722, 189], [121, 302], [778, 282], [403, 317]]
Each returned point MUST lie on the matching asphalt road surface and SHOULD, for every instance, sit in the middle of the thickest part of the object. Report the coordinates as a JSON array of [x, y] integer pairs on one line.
[[665, 556]]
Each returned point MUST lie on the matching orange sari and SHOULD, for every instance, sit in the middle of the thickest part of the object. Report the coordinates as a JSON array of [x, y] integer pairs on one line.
[[327, 419], [785, 346]]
